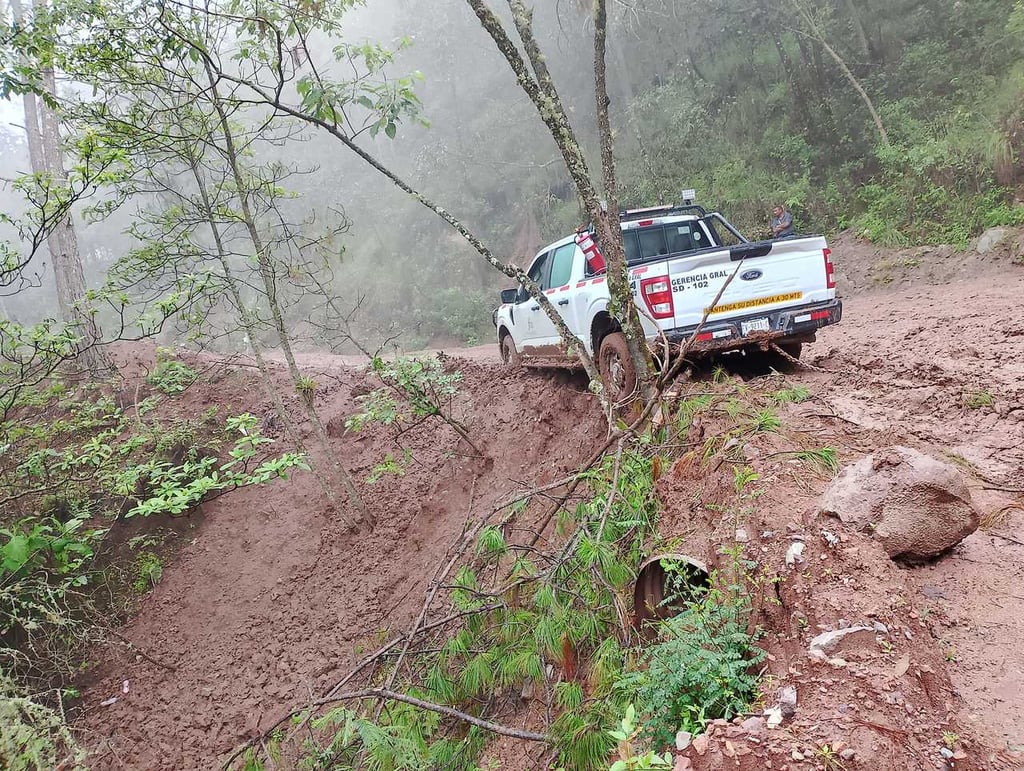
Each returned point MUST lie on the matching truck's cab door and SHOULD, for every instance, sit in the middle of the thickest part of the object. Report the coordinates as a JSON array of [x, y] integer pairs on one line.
[[526, 313], [557, 285], [552, 271]]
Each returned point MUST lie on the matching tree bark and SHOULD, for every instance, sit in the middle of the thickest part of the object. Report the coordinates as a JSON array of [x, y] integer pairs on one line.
[[622, 295]]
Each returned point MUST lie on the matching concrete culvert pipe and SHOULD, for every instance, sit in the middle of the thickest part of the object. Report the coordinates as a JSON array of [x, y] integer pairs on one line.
[[667, 576]]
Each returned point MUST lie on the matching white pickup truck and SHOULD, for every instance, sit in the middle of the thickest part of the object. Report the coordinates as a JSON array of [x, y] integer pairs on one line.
[[783, 292]]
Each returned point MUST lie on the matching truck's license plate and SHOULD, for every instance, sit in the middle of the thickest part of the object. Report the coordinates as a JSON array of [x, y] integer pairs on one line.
[[757, 325]]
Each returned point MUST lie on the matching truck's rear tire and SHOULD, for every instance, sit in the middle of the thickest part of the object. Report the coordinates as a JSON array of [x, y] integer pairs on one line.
[[617, 370], [509, 355]]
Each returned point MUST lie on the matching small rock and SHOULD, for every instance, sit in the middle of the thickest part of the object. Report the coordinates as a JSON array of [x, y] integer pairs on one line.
[[902, 665], [787, 701], [682, 763], [795, 553], [881, 628], [700, 744], [741, 536], [946, 752], [851, 638], [683, 740], [848, 754], [753, 725], [830, 538], [797, 755], [991, 239], [933, 592], [774, 716], [843, 623]]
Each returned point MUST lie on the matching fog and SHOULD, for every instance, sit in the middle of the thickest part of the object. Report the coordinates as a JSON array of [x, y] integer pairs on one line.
[[712, 95]]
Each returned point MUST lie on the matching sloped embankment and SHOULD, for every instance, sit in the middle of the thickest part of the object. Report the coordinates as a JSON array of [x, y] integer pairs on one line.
[[274, 600]]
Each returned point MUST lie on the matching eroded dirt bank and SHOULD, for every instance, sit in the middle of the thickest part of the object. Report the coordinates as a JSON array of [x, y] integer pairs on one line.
[[274, 599]]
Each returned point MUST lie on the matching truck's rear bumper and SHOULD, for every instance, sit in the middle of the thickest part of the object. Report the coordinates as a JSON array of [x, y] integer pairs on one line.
[[797, 324]]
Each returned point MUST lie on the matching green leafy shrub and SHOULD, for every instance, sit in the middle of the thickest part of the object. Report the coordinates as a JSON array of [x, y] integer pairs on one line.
[[414, 388], [628, 760], [174, 488], [171, 376], [702, 667], [149, 569]]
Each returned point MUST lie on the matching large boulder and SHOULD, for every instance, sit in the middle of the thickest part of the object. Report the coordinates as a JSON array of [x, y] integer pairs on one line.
[[915, 505]]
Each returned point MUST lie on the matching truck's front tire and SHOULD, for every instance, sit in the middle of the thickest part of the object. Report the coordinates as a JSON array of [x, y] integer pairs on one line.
[[617, 370], [509, 355]]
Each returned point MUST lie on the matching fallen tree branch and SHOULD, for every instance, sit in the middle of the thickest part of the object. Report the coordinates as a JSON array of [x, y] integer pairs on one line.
[[383, 693], [487, 725]]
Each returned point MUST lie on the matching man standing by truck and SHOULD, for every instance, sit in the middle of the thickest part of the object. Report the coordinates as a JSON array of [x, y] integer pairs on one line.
[[782, 223]]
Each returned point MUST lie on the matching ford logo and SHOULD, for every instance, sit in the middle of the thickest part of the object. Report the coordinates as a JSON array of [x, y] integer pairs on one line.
[[752, 275]]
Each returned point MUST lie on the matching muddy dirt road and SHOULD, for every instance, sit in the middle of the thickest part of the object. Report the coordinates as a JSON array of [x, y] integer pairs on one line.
[[274, 598], [942, 368]]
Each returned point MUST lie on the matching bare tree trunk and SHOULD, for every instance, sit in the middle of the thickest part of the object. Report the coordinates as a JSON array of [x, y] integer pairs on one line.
[[47, 158], [249, 323], [266, 271], [28, 100]]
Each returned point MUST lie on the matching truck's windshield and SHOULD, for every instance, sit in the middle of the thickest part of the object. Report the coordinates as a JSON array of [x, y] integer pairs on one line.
[[663, 240]]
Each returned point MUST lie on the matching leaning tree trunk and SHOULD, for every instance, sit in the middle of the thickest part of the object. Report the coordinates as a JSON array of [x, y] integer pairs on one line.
[[249, 324]]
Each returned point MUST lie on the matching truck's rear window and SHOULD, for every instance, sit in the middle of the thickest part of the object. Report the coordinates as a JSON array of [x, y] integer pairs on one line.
[[663, 240]]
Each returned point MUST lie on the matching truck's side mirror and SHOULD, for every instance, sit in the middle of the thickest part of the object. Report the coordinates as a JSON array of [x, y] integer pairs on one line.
[[508, 296]]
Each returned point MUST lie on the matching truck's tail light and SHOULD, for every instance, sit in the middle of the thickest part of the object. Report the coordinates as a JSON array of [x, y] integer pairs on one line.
[[657, 293], [830, 270]]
